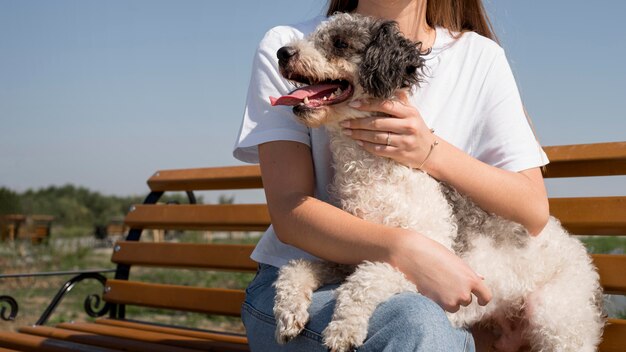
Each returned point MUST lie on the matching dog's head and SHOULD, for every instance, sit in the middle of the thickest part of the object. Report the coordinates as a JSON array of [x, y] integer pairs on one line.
[[348, 57]]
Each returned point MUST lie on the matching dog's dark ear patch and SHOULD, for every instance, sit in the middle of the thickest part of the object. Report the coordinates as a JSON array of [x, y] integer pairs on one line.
[[390, 62]]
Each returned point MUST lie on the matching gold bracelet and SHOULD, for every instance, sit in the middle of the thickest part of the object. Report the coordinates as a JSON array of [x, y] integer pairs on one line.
[[432, 146]]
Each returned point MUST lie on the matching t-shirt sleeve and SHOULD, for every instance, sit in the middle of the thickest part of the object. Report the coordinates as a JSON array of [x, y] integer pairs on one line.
[[262, 122], [504, 137]]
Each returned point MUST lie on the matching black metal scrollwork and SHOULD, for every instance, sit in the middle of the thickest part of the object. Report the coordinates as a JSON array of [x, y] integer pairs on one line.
[[67, 287], [91, 306], [14, 308]]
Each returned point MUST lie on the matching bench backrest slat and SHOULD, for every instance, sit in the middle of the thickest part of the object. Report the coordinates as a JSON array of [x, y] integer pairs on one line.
[[185, 255], [614, 336], [183, 298], [579, 160], [591, 215], [203, 179], [612, 272], [224, 217]]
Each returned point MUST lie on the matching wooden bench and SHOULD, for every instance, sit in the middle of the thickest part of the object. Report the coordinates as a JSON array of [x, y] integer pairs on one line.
[[588, 216], [35, 228]]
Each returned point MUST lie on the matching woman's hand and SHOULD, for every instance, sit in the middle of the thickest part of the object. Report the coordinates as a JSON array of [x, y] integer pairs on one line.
[[438, 273], [398, 133], [517, 196]]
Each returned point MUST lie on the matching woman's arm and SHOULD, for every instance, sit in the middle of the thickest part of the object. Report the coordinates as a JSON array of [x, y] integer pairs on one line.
[[332, 234], [520, 196]]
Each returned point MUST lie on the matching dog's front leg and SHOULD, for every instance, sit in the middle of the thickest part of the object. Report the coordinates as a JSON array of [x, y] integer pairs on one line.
[[357, 298], [294, 288]]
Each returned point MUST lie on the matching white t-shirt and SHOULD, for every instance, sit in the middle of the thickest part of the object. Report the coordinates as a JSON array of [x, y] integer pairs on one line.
[[469, 97]]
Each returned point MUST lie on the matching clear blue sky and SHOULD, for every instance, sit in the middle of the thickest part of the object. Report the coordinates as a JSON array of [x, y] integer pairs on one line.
[[103, 93]]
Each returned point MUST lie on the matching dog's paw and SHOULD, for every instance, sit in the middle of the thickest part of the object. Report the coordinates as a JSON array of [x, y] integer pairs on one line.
[[342, 336], [289, 324]]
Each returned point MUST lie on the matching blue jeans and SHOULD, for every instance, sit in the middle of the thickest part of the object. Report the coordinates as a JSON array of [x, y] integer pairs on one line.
[[407, 322]]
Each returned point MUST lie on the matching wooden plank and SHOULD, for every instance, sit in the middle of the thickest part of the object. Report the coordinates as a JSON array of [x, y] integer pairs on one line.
[[214, 178], [25, 342], [599, 159], [192, 299], [153, 337], [215, 336], [224, 217], [591, 215], [614, 337], [612, 270], [185, 255], [99, 340]]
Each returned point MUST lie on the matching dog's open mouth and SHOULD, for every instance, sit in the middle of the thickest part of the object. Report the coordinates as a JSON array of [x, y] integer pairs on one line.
[[316, 95]]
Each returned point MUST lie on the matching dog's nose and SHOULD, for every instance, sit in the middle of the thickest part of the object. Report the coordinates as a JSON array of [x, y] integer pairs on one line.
[[285, 53]]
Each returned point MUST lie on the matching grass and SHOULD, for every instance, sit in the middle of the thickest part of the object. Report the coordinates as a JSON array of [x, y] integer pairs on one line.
[[605, 244], [79, 253]]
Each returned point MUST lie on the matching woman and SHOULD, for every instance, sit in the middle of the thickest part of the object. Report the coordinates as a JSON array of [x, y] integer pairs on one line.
[[486, 149]]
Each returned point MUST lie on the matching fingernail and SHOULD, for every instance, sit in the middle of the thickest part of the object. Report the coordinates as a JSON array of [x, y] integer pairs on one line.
[[344, 124], [355, 103], [359, 143], [346, 131]]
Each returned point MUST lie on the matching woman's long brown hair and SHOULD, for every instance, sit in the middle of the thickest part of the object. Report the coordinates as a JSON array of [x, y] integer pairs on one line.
[[454, 15]]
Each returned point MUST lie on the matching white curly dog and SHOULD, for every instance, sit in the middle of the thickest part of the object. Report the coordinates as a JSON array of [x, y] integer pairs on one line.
[[548, 281]]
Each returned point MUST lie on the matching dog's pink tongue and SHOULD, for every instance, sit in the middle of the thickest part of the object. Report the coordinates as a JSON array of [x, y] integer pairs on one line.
[[297, 96]]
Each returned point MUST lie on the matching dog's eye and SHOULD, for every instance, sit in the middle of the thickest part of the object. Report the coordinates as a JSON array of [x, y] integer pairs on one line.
[[410, 70], [340, 44]]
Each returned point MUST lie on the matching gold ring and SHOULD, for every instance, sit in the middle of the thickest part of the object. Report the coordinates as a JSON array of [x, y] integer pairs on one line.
[[388, 138]]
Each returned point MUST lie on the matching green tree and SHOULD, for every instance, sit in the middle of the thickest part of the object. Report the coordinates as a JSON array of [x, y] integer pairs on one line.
[[9, 202]]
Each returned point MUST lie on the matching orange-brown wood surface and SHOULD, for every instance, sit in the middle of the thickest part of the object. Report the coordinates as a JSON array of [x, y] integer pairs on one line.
[[612, 269], [231, 177], [32, 343], [614, 337], [185, 255], [184, 298], [153, 337], [224, 217], [224, 337], [99, 340], [600, 159], [591, 216]]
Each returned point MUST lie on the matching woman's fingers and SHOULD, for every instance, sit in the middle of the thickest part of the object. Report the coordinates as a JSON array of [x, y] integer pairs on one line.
[[467, 301], [482, 293], [379, 149], [376, 137], [382, 124], [374, 123]]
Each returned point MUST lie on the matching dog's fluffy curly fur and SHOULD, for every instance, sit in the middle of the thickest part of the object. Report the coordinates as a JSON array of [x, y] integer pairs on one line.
[[547, 281]]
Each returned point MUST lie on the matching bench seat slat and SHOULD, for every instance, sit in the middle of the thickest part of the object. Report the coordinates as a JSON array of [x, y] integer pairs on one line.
[[99, 340], [599, 159], [185, 298], [224, 217], [612, 274], [26, 342], [614, 336], [214, 178], [185, 255], [224, 337], [591, 215], [153, 337]]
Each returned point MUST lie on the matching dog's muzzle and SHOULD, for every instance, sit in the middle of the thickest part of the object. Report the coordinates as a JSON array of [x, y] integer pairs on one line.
[[315, 94]]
